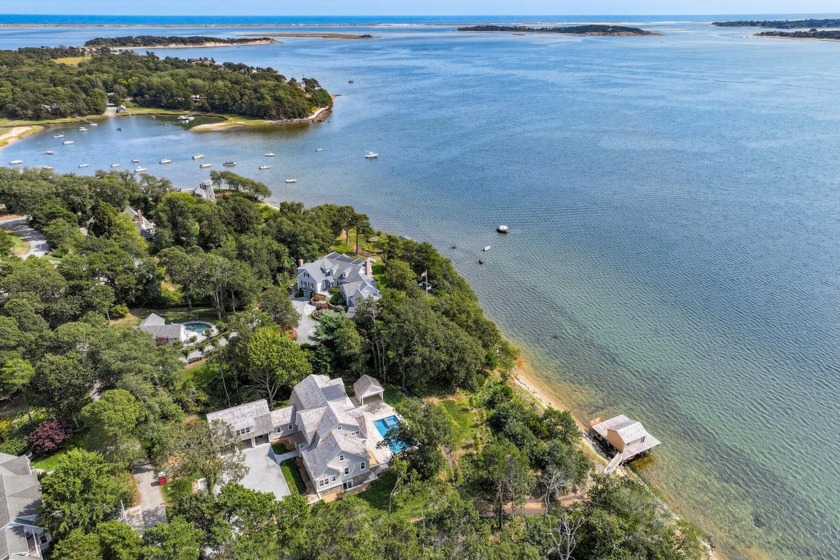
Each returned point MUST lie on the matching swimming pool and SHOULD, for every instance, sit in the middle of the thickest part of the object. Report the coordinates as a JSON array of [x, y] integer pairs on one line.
[[385, 424], [197, 327]]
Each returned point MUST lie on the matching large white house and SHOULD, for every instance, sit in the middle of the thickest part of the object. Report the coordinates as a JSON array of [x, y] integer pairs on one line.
[[353, 276], [20, 499], [335, 437]]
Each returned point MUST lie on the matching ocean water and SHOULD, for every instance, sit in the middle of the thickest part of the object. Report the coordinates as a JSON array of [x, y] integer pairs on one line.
[[675, 214]]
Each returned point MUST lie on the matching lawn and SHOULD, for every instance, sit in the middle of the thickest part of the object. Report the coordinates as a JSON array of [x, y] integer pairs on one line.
[[378, 493], [292, 475], [393, 395], [21, 246], [50, 462], [462, 417]]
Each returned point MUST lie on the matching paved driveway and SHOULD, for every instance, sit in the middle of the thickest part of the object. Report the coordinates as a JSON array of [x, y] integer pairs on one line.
[[38, 246], [306, 328], [151, 497], [264, 475]]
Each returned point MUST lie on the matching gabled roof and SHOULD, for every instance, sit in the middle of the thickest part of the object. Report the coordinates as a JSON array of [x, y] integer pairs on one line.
[[318, 459], [254, 415], [629, 430], [367, 386], [283, 416], [153, 320], [20, 499]]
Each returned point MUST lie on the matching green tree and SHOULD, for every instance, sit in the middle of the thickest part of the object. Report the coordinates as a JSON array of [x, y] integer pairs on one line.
[[501, 474], [78, 545], [399, 276], [424, 430], [275, 362], [63, 384], [212, 452], [119, 541], [278, 304], [79, 494], [176, 540], [15, 375], [341, 345], [113, 420]]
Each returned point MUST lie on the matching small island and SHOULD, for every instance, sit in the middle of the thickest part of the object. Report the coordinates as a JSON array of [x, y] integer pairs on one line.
[[814, 33], [159, 42], [594, 29], [314, 35], [780, 24]]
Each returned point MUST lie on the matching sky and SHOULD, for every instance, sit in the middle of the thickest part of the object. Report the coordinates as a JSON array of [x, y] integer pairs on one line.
[[417, 7]]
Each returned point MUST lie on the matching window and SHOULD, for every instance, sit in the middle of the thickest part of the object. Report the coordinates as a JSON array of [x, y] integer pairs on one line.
[[341, 457], [363, 465], [333, 478], [243, 431], [320, 483], [291, 426], [346, 470]]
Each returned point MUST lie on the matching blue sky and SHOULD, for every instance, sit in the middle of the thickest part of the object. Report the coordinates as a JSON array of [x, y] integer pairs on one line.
[[416, 7]]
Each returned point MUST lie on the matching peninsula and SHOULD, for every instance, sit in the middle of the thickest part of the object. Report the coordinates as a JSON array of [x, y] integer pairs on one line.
[[780, 24], [314, 35], [824, 34], [42, 87], [595, 29], [160, 42]]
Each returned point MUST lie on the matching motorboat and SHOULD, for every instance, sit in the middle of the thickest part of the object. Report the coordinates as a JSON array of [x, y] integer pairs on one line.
[[16, 162], [350, 82], [93, 124], [371, 155], [319, 149], [503, 229], [290, 181], [115, 165], [49, 152], [83, 165], [47, 167], [82, 129], [229, 164], [198, 156], [135, 161], [140, 170], [165, 161], [487, 248], [269, 154], [119, 129], [205, 165], [58, 136], [68, 142], [480, 261], [264, 167], [186, 118]]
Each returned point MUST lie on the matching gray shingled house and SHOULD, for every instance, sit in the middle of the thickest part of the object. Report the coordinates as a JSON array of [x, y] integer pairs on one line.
[[20, 499], [353, 276], [156, 326]]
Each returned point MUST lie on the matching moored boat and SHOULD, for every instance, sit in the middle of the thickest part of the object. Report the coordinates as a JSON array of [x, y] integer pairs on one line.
[[269, 154], [68, 142], [290, 181], [135, 161], [229, 164], [115, 165], [165, 161], [82, 129], [486, 248], [503, 229], [47, 167], [205, 165], [139, 169], [16, 162], [83, 165], [198, 156], [264, 167], [371, 155], [49, 152], [58, 136]]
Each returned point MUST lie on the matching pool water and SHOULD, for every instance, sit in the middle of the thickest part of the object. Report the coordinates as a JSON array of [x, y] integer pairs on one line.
[[385, 424], [197, 327]]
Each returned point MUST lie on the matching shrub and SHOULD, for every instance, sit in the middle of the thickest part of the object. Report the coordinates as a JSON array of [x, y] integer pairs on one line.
[[119, 311], [49, 436], [14, 446]]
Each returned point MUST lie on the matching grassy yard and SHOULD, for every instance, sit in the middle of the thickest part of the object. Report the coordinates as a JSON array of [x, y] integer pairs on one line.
[[172, 315], [292, 475], [377, 497], [21, 246], [50, 462], [462, 417]]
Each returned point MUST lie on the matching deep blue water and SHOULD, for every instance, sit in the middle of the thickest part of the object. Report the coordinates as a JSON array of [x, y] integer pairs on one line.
[[675, 243]]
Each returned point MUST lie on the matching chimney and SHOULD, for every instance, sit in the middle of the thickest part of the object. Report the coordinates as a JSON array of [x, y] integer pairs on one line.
[[368, 268], [300, 262]]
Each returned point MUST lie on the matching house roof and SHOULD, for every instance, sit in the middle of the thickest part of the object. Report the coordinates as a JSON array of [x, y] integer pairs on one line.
[[283, 416], [153, 320], [630, 432], [254, 415], [13, 543], [175, 331], [367, 386], [320, 458], [20, 499], [318, 390]]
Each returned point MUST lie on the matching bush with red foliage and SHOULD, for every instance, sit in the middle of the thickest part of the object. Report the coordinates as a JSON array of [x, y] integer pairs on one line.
[[49, 436]]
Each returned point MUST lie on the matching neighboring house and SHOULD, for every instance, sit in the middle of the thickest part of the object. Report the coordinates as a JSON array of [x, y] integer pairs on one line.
[[144, 225], [20, 499], [353, 276], [330, 431], [156, 326], [205, 191]]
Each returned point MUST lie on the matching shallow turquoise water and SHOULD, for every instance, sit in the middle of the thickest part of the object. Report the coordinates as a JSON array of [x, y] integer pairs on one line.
[[673, 200]]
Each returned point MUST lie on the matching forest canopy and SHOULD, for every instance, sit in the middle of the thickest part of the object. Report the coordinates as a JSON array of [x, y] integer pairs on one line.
[[33, 86], [154, 40]]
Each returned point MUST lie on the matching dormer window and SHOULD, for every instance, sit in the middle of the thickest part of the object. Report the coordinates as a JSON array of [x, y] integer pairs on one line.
[[341, 457], [362, 464], [346, 470]]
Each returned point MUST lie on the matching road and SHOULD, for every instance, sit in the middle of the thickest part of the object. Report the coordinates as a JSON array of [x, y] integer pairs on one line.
[[38, 246]]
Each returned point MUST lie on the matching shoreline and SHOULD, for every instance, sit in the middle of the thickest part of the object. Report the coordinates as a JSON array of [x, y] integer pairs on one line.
[[208, 45], [16, 133]]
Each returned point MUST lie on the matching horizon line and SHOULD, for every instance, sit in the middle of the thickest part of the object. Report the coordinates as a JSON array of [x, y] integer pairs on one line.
[[798, 14]]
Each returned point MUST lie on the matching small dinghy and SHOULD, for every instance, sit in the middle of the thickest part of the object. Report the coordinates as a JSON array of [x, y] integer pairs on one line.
[[264, 167], [205, 165], [290, 181], [503, 229], [487, 248], [83, 165]]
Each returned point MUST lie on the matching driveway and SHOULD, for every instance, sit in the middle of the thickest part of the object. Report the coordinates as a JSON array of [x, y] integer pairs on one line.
[[306, 328], [264, 475], [38, 246], [151, 497]]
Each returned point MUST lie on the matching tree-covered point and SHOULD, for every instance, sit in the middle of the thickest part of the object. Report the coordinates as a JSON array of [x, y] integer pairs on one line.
[[831, 34], [593, 29], [139, 41], [781, 23], [34, 87]]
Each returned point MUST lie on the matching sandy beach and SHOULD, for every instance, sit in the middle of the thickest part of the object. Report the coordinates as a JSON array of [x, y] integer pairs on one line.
[[8, 136]]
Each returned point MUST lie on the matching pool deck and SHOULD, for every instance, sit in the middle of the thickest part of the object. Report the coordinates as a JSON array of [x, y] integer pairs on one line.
[[374, 410]]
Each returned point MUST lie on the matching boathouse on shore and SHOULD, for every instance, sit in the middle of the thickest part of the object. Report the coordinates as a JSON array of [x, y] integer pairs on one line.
[[627, 437]]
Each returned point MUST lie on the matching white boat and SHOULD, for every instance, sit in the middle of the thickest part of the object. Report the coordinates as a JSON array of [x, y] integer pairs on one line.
[[371, 155], [115, 165], [264, 167], [269, 154], [47, 167], [139, 169], [49, 152], [68, 142], [165, 161], [229, 164], [487, 248], [16, 162], [186, 118], [135, 161], [198, 156], [93, 124], [83, 165], [58, 136], [205, 165], [319, 149], [290, 181], [82, 129], [503, 229]]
